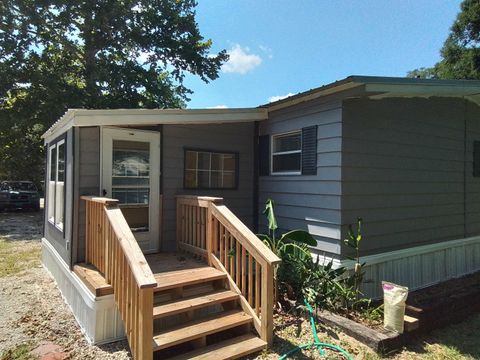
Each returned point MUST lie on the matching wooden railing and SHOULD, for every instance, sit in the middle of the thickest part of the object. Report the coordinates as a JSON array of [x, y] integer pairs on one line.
[[207, 228], [112, 248]]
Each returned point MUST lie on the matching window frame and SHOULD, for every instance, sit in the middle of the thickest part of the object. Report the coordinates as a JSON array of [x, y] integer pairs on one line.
[[272, 153], [55, 144], [222, 152]]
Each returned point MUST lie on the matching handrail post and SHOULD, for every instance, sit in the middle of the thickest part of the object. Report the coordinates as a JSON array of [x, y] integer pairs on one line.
[[145, 335], [209, 234], [267, 305]]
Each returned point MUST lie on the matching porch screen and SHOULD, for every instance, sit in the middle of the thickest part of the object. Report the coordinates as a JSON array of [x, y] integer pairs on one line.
[[210, 170]]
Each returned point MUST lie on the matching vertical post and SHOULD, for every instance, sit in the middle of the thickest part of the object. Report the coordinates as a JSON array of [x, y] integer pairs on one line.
[[145, 324], [209, 233], [267, 305], [87, 232], [179, 223]]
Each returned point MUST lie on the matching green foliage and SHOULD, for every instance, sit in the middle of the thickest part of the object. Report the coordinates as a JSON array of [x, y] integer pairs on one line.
[[83, 54], [460, 52], [291, 247], [20, 352]]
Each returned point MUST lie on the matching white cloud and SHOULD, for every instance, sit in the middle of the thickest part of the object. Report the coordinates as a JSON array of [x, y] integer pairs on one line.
[[279, 97], [241, 60], [219, 107]]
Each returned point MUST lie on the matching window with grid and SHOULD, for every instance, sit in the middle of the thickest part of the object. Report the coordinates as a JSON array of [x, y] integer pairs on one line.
[[210, 170]]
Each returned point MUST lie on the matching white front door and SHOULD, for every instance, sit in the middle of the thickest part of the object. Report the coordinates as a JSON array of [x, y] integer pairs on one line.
[[131, 174]]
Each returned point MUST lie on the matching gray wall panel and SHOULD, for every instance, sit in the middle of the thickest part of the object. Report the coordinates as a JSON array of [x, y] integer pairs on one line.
[[404, 171], [221, 137], [88, 179], [309, 202]]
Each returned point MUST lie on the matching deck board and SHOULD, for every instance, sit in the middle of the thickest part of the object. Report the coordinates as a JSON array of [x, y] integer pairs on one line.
[[168, 269], [93, 279]]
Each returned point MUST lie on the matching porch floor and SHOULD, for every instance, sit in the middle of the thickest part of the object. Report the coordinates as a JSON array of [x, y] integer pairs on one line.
[[168, 268]]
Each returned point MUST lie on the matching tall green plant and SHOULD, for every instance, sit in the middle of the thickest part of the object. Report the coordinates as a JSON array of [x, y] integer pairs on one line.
[[292, 247]]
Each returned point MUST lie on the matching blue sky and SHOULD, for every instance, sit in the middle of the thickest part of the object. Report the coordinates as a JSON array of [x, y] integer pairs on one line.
[[281, 47]]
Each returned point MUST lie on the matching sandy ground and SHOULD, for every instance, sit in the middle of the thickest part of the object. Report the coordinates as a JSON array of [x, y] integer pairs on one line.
[[31, 307]]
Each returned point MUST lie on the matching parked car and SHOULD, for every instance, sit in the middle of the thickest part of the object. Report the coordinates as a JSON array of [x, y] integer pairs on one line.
[[19, 194]]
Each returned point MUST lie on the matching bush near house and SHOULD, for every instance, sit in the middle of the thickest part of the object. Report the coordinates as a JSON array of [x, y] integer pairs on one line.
[[300, 277]]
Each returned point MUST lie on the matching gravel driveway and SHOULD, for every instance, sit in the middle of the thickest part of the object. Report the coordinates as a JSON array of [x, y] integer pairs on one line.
[[32, 311]]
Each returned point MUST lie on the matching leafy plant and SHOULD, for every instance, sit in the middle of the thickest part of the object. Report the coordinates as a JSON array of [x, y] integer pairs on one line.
[[291, 247]]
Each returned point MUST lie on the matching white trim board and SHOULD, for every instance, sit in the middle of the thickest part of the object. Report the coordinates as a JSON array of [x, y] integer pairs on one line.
[[138, 117]]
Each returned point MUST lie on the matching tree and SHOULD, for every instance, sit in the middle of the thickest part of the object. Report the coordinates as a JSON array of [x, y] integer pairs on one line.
[[56, 55], [461, 51]]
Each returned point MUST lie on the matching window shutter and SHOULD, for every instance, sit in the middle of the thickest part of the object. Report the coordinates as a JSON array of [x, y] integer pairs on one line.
[[476, 158], [309, 150], [264, 155]]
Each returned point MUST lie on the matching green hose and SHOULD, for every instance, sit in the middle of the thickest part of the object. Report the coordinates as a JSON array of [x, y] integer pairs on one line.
[[319, 345]]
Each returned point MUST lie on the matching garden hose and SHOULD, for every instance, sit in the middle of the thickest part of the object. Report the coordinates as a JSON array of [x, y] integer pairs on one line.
[[319, 345]]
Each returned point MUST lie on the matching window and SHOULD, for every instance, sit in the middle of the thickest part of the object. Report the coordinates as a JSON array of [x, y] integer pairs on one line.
[[131, 172], [210, 170], [56, 183], [287, 153]]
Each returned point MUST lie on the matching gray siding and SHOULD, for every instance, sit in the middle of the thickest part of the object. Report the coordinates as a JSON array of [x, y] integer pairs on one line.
[[472, 204], [310, 202], [87, 181], [62, 240], [405, 168], [221, 137]]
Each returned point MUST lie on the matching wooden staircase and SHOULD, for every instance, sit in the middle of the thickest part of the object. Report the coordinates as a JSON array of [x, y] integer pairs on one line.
[[216, 306], [197, 315]]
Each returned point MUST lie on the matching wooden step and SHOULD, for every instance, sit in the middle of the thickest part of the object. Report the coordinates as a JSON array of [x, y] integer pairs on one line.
[[226, 350], [193, 303], [200, 328], [93, 279], [410, 323], [180, 278]]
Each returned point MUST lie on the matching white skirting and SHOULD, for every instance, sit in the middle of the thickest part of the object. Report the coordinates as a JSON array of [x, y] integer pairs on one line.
[[98, 317], [416, 267], [420, 266]]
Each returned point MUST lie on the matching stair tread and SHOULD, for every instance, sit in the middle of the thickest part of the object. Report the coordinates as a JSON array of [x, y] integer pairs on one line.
[[201, 327], [173, 279], [226, 350], [193, 303]]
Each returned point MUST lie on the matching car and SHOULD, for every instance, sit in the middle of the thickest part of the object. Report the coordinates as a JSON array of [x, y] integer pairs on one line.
[[19, 194]]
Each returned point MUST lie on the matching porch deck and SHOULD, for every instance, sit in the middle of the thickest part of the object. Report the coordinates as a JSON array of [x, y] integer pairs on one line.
[[169, 269], [196, 309]]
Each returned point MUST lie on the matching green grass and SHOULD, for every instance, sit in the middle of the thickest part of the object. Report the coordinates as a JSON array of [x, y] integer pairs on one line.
[[16, 257], [21, 352]]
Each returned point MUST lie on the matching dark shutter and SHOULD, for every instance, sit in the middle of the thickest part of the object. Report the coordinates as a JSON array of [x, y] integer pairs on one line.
[[476, 158], [264, 155], [309, 150]]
